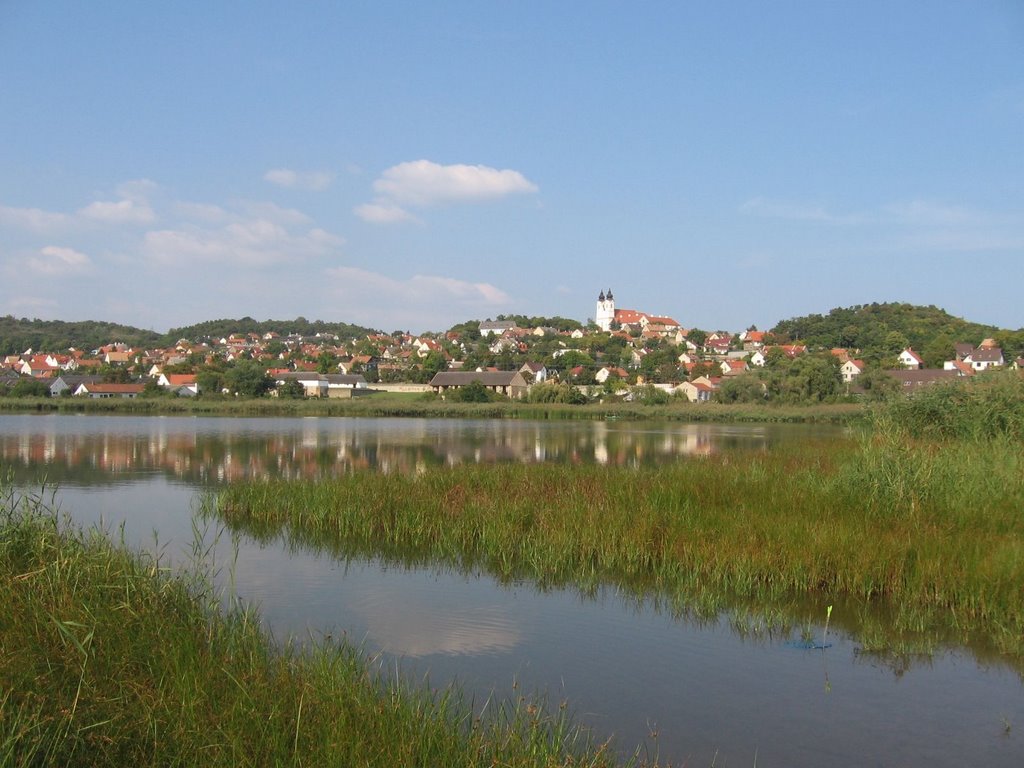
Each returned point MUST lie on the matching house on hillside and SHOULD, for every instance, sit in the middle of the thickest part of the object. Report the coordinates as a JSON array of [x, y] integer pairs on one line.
[[850, 370], [983, 358], [911, 379], [910, 360], [495, 327], [608, 372], [534, 373], [962, 367], [734, 367]]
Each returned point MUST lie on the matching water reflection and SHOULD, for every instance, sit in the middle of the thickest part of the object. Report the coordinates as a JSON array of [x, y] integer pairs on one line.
[[97, 449], [719, 687]]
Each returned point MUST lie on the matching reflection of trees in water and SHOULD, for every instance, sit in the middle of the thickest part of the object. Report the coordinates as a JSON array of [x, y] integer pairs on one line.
[[202, 458]]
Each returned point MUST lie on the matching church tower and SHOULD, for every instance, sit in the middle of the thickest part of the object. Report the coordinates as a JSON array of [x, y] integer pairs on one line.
[[605, 315]]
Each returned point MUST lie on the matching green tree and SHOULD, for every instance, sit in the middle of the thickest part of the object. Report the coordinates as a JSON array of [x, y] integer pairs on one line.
[[741, 389], [210, 381], [474, 392], [291, 390], [248, 379], [29, 387]]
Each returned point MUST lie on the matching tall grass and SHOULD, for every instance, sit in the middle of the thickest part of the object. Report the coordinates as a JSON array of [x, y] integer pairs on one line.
[[989, 406], [108, 660], [933, 529], [390, 405]]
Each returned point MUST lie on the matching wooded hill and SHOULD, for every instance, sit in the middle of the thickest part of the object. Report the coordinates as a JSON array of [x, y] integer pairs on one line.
[[878, 331], [883, 330], [18, 335], [221, 328]]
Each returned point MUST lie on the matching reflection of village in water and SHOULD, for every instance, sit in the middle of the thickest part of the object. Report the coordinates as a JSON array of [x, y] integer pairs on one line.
[[212, 451]]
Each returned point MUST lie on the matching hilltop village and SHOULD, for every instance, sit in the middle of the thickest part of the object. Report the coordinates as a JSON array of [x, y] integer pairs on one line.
[[619, 353]]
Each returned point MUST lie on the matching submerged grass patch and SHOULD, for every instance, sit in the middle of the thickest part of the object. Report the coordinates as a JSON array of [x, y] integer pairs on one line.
[[931, 528], [108, 660]]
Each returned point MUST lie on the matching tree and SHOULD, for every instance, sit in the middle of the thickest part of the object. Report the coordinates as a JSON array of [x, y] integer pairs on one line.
[[210, 381], [741, 389], [326, 362], [29, 387], [877, 384], [474, 392], [697, 336], [248, 378], [291, 390]]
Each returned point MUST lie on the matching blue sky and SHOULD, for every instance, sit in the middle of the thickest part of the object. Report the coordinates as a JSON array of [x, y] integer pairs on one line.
[[410, 165]]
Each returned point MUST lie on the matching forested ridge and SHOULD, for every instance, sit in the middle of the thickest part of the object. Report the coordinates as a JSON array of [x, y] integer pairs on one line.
[[876, 330], [20, 334], [882, 330]]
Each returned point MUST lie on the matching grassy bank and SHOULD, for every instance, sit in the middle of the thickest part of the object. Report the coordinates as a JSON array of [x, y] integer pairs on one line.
[[933, 529], [403, 405], [107, 660]]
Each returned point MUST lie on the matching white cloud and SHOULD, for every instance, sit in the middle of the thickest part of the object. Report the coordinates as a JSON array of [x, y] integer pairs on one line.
[[312, 180], [383, 213], [288, 217], [120, 212], [422, 183], [421, 301], [204, 212], [54, 261], [33, 219], [250, 242]]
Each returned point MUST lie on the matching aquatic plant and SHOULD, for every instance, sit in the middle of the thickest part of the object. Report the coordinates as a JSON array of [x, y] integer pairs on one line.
[[109, 660], [867, 521]]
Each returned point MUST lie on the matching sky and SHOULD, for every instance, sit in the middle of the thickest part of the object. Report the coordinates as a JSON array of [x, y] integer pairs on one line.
[[412, 165]]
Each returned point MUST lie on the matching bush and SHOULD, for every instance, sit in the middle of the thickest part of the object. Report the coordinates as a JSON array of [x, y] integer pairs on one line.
[[551, 392]]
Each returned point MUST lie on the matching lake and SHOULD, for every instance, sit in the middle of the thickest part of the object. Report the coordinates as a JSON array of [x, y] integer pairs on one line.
[[696, 691]]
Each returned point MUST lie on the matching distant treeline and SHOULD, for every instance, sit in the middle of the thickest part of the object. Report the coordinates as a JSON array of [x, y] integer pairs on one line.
[[879, 331]]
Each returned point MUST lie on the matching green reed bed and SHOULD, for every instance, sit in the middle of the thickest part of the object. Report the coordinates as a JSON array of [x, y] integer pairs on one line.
[[108, 660], [425, 406], [934, 529]]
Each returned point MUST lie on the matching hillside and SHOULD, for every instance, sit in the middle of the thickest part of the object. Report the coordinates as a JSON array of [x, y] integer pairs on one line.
[[300, 325], [18, 335], [882, 330]]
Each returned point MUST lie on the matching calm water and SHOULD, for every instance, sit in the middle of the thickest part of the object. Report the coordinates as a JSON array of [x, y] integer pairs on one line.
[[627, 670]]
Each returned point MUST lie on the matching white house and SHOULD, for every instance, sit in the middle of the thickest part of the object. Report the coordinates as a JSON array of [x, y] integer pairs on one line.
[[850, 370], [910, 360], [495, 327], [983, 358]]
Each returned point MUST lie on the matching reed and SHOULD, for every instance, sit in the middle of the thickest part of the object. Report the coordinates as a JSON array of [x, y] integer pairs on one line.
[[392, 405], [109, 660], [934, 529]]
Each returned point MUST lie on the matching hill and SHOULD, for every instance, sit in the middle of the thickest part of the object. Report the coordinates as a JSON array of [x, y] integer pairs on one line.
[[300, 325], [882, 330], [18, 335]]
